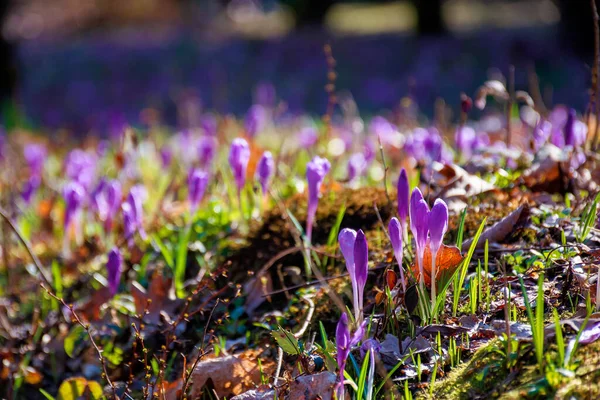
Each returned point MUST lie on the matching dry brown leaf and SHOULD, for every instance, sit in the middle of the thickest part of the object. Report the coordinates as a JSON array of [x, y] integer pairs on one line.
[[497, 232], [458, 185], [447, 260], [311, 387], [230, 375], [156, 299]]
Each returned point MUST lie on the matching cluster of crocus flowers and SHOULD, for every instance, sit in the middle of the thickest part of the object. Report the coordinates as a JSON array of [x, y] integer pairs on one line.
[[344, 341], [419, 221], [265, 170], [355, 250], [239, 156], [316, 169], [35, 157], [197, 182]]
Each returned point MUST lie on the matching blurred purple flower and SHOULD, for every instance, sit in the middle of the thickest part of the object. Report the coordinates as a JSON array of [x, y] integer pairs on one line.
[[265, 94], [113, 269], [35, 157], [307, 137], [133, 213], [166, 156], [209, 125], [316, 169], [567, 130], [382, 129], [30, 187], [255, 121], [207, 147], [395, 232], [239, 156], [197, 182], [73, 194], [357, 165], [80, 166], [265, 170], [541, 133], [438, 225]]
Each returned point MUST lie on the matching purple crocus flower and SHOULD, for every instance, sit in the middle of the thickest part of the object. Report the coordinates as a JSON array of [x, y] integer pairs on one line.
[[465, 138], [419, 221], [113, 269], [197, 182], [239, 155], [80, 166], [207, 148], [395, 232], [344, 341], [361, 267], [112, 193], [346, 239], [316, 169], [255, 120], [209, 125], [73, 194], [265, 94], [35, 156], [357, 165], [133, 213], [307, 137], [166, 156], [403, 201], [30, 187], [265, 170], [570, 127], [438, 225]]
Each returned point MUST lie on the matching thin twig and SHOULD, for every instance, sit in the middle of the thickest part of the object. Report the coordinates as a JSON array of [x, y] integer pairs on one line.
[[25, 243], [385, 170], [297, 335]]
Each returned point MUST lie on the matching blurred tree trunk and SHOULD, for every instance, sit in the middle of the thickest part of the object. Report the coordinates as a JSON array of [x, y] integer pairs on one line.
[[7, 59], [429, 17]]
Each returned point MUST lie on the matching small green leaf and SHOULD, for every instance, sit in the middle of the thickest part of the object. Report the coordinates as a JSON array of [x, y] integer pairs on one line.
[[74, 337], [46, 394], [287, 341]]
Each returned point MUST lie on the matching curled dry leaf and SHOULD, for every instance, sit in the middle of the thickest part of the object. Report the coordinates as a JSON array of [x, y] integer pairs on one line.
[[500, 230], [458, 185], [550, 171]]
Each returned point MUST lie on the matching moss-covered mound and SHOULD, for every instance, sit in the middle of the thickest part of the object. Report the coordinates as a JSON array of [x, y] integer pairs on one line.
[[275, 233]]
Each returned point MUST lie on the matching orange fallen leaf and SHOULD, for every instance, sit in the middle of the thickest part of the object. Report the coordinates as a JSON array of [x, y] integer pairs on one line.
[[447, 260]]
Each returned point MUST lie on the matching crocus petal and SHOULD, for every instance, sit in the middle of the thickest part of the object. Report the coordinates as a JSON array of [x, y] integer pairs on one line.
[[421, 223], [395, 232], [264, 170], [197, 182], [316, 170], [414, 200], [113, 267], [361, 259], [403, 200], [359, 333], [346, 239], [438, 224], [342, 339]]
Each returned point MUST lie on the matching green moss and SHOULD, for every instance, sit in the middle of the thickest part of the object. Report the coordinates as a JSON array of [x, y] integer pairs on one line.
[[485, 375]]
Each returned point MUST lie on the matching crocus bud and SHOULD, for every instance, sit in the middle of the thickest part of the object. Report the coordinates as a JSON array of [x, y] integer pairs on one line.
[[438, 225], [347, 239], [395, 232], [35, 156], [357, 164], [30, 187], [107, 199], [342, 342], [414, 200], [421, 224], [197, 182], [569, 128], [265, 170], [207, 148], [73, 194], [255, 120], [133, 213], [361, 268], [113, 269], [316, 170], [403, 199], [209, 125], [80, 166], [166, 157], [239, 155], [129, 223]]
